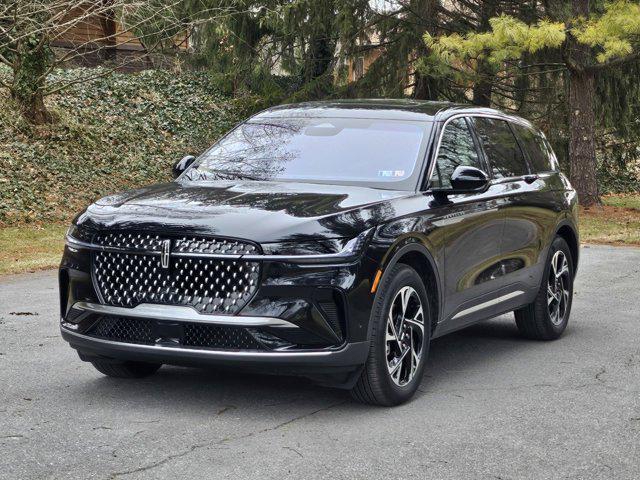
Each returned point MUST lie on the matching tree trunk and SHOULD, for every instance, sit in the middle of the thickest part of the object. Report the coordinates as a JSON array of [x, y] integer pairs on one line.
[[484, 84], [320, 58], [425, 87], [321, 50], [29, 80], [33, 108], [485, 73], [582, 145], [582, 129]]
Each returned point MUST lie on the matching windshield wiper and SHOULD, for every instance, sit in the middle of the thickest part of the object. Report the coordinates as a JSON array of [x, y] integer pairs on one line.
[[226, 175]]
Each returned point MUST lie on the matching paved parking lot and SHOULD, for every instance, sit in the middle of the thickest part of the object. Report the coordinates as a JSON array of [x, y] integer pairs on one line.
[[491, 405]]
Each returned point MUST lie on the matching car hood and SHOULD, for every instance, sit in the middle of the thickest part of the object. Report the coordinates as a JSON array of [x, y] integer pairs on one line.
[[261, 211]]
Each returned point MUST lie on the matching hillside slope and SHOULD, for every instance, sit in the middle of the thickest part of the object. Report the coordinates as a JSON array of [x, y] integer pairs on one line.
[[114, 133]]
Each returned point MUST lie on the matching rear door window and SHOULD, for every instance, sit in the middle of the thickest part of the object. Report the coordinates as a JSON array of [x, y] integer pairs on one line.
[[536, 147], [502, 149], [456, 148]]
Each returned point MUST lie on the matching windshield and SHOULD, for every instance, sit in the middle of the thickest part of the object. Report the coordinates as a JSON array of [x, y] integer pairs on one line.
[[374, 152]]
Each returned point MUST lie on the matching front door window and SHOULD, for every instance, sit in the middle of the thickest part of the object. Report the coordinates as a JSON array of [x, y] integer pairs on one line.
[[456, 148]]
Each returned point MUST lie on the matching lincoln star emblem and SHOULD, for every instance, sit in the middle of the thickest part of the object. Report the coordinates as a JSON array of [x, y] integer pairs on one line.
[[166, 253]]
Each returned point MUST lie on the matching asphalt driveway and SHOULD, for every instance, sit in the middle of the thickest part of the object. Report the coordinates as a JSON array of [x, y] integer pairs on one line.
[[492, 405]]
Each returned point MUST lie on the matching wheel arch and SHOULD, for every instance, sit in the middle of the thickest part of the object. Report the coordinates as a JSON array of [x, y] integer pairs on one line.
[[416, 255], [567, 231]]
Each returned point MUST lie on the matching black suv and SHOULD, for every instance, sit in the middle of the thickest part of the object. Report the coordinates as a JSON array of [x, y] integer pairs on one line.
[[332, 240]]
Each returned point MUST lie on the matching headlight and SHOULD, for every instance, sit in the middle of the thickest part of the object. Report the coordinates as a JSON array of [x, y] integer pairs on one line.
[[322, 248], [356, 245], [78, 233]]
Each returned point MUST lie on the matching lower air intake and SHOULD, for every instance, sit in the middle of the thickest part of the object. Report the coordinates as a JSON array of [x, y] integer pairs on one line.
[[149, 332]]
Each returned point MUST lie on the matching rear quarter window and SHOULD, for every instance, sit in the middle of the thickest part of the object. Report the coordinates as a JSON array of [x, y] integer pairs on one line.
[[538, 150], [503, 152]]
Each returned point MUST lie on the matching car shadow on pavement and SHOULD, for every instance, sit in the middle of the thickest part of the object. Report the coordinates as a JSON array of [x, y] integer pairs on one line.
[[491, 352], [198, 389], [472, 351]]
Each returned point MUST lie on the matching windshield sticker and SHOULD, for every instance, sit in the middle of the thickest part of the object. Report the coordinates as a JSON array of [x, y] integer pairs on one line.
[[390, 173]]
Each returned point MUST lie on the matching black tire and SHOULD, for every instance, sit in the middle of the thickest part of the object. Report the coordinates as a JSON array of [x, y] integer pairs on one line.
[[534, 320], [126, 369], [375, 385]]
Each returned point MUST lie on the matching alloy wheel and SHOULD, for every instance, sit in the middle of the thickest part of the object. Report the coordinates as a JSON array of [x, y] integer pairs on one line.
[[558, 286], [405, 335]]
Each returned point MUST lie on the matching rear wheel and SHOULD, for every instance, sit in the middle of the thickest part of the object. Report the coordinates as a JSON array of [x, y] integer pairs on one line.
[[399, 340], [547, 316], [126, 369]]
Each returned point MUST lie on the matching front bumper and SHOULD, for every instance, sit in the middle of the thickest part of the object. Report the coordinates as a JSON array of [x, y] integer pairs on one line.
[[320, 310], [166, 344]]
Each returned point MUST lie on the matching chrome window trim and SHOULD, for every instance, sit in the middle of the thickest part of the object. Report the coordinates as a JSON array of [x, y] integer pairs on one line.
[[546, 174], [497, 181], [496, 116], [181, 314]]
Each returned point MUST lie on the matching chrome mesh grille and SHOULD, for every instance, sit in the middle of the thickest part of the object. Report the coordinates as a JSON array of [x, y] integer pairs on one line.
[[148, 332], [143, 242], [209, 285], [212, 336], [148, 242], [220, 247], [127, 330]]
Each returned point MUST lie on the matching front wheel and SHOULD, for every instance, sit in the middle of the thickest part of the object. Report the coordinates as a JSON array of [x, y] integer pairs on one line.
[[547, 316], [401, 322]]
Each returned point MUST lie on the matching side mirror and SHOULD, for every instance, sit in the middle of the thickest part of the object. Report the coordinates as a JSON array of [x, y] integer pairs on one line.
[[468, 179], [182, 164]]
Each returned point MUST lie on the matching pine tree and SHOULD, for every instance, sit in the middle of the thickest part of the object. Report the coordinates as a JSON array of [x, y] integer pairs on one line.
[[589, 43]]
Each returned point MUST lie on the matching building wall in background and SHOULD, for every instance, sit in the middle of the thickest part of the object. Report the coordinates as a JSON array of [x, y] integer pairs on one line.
[[98, 38]]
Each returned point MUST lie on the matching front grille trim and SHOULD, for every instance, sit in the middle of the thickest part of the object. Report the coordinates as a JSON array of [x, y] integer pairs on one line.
[[126, 275], [151, 243], [179, 314]]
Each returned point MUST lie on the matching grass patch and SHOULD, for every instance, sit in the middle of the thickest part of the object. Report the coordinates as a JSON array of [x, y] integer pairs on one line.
[[628, 201], [617, 222], [27, 249]]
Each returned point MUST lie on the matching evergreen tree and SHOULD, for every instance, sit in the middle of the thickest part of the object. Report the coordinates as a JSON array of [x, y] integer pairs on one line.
[[557, 63], [294, 37]]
